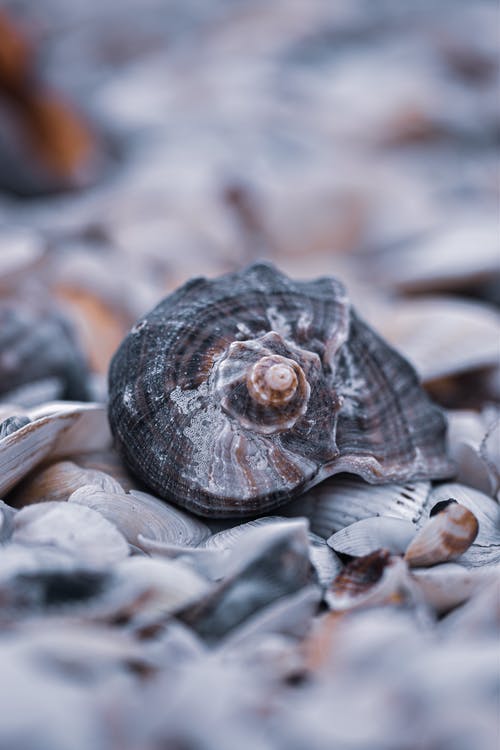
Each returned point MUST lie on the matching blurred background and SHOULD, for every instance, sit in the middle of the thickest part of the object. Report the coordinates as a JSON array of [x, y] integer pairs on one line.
[[143, 142]]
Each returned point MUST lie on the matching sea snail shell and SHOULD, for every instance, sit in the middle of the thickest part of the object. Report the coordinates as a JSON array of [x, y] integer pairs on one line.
[[236, 394]]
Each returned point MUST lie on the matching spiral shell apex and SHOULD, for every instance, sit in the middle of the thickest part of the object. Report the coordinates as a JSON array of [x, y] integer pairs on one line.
[[236, 394]]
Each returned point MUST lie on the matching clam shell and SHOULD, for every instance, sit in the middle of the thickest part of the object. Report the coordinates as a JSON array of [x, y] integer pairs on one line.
[[289, 615], [58, 481], [139, 515], [371, 534], [445, 536], [234, 395], [56, 431], [343, 500], [72, 528]]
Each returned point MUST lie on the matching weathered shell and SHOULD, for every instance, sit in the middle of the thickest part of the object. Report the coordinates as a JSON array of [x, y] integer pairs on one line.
[[235, 394], [445, 536]]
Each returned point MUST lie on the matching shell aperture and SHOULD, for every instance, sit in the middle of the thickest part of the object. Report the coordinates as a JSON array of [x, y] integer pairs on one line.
[[236, 394]]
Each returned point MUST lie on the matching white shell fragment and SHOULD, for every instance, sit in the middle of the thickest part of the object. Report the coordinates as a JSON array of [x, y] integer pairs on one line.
[[444, 537], [139, 514], [61, 430], [82, 531], [366, 536]]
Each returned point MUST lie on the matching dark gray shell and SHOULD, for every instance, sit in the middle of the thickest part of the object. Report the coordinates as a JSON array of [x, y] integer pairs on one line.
[[38, 343], [186, 419]]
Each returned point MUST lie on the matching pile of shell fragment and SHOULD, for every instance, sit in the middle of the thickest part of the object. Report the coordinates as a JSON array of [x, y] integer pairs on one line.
[[364, 617], [361, 617]]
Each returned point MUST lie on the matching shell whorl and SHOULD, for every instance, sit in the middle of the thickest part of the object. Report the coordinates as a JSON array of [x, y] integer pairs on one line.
[[235, 394], [263, 383]]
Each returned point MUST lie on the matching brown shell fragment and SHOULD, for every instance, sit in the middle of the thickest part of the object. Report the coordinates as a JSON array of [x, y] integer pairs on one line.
[[236, 394]]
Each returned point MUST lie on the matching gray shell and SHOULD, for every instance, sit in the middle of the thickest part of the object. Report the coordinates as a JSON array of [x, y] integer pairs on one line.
[[37, 342], [236, 394]]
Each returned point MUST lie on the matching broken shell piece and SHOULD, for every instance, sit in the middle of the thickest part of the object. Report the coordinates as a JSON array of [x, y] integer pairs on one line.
[[56, 431], [138, 514], [366, 536], [324, 560], [343, 500], [210, 563], [160, 587], [445, 536], [58, 481], [377, 578], [448, 585], [289, 615], [270, 562], [71, 527]]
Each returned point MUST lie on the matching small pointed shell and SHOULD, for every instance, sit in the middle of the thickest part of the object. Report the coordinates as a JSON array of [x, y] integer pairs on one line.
[[445, 536], [370, 534], [371, 580], [138, 514], [81, 531], [56, 431]]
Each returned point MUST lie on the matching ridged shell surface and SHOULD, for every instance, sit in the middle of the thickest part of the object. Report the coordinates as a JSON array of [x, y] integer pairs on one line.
[[236, 394]]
